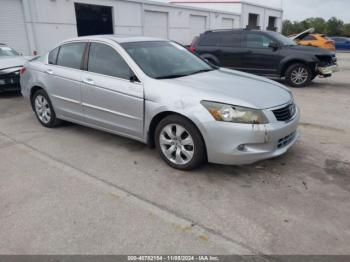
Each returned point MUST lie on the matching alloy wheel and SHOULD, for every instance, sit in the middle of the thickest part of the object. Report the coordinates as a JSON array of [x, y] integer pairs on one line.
[[176, 144], [299, 75], [42, 109]]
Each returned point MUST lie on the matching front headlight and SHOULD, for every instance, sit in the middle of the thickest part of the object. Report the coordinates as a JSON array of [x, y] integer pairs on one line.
[[236, 114]]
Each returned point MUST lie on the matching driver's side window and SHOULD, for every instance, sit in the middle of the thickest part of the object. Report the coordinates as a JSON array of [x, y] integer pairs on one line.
[[104, 60], [255, 40]]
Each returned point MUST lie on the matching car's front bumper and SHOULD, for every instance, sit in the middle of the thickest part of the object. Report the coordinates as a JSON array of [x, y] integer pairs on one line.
[[328, 70], [237, 144], [10, 81]]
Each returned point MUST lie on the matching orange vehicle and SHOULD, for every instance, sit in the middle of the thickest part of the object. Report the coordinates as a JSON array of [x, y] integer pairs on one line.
[[309, 38]]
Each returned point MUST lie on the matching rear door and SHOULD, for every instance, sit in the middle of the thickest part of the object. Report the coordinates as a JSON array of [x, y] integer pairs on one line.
[[231, 50], [259, 58], [63, 79], [110, 99]]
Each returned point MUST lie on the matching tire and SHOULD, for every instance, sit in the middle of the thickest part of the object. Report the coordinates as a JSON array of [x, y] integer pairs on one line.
[[180, 143], [298, 75], [43, 109]]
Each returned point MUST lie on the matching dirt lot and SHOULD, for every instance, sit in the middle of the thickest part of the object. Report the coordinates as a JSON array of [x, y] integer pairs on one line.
[[75, 190]]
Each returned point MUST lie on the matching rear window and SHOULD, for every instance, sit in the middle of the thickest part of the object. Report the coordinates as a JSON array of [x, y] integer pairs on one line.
[[70, 55], [209, 40], [231, 40]]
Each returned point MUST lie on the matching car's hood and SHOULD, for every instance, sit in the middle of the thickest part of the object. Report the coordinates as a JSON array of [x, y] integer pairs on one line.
[[302, 34], [237, 88], [310, 50], [13, 61]]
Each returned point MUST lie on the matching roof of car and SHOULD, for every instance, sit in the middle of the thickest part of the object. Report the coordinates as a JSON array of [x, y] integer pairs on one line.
[[234, 30], [117, 38]]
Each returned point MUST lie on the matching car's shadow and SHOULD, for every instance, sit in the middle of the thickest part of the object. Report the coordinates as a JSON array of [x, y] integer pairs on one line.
[[10, 94]]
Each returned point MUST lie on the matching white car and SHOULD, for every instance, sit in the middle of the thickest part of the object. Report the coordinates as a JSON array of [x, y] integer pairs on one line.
[[11, 63]]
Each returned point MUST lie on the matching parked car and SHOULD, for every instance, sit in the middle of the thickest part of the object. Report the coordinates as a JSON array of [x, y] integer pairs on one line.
[[309, 38], [341, 43], [265, 53], [157, 92], [11, 63]]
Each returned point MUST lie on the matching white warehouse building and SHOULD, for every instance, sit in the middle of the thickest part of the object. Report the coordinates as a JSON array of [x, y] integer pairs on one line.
[[38, 25], [254, 15]]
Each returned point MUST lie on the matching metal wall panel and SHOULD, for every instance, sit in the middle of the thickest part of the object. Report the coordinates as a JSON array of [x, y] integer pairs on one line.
[[198, 25], [156, 24], [228, 23], [12, 26]]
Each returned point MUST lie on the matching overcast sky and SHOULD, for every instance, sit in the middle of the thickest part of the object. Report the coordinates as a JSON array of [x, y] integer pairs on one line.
[[300, 9]]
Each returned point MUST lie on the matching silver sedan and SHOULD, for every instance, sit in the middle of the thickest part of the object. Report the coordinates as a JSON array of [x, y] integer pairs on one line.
[[157, 92]]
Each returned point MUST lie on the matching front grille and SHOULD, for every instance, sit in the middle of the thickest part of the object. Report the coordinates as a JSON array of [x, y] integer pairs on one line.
[[284, 141], [285, 113], [9, 81]]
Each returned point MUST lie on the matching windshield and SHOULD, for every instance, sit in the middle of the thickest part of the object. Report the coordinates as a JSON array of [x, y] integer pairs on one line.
[[162, 60], [282, 39], [7, 51]]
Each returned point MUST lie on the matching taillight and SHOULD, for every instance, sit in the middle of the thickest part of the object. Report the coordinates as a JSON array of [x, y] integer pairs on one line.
[[22, 71], [192, 49]]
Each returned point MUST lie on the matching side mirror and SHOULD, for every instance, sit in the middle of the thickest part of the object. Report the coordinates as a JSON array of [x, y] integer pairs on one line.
[[274, 45], [134, 79]]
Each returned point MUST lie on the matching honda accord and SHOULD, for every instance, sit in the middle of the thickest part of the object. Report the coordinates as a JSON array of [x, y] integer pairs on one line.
[[157, 92]]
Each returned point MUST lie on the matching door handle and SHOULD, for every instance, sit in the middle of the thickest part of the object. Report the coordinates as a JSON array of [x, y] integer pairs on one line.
[[49, 71], [89, 81]]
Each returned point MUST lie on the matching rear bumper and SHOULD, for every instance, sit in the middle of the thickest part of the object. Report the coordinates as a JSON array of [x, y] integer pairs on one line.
[[8, 88]]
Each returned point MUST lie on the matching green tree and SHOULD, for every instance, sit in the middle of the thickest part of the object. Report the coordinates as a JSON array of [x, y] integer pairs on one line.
[[318, 23], [334, 27], [346, 30]]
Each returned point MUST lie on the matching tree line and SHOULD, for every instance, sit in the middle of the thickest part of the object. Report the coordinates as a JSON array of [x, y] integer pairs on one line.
[[331, 27]]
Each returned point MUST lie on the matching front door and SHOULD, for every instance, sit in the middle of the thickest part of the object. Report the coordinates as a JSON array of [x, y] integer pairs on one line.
[[259, 57], [110, 99]]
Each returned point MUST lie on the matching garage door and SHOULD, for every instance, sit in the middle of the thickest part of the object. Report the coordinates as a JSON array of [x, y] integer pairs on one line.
[[12, 27], [227, 23], [156, 24], [197, 25]]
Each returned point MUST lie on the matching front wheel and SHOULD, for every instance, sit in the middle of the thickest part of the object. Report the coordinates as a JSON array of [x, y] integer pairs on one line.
[[180, 143], [298, 75]]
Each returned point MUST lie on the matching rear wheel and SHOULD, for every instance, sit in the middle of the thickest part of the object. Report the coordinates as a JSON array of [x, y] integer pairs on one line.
[[44, 110], [298, 75], [179, 143]]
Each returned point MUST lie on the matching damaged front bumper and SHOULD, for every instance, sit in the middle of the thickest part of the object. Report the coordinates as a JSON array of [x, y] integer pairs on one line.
[[10, 79], [327, 70]]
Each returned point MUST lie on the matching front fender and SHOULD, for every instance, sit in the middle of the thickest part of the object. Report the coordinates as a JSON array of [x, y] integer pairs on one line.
[[295, 59], [195, 113]]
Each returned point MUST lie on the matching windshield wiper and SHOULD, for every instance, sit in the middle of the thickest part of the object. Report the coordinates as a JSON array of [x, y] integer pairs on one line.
[[202, 71], [182, 75], [171, 76]]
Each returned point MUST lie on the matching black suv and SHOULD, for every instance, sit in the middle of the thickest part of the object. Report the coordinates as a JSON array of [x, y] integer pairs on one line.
[[265, 53]]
